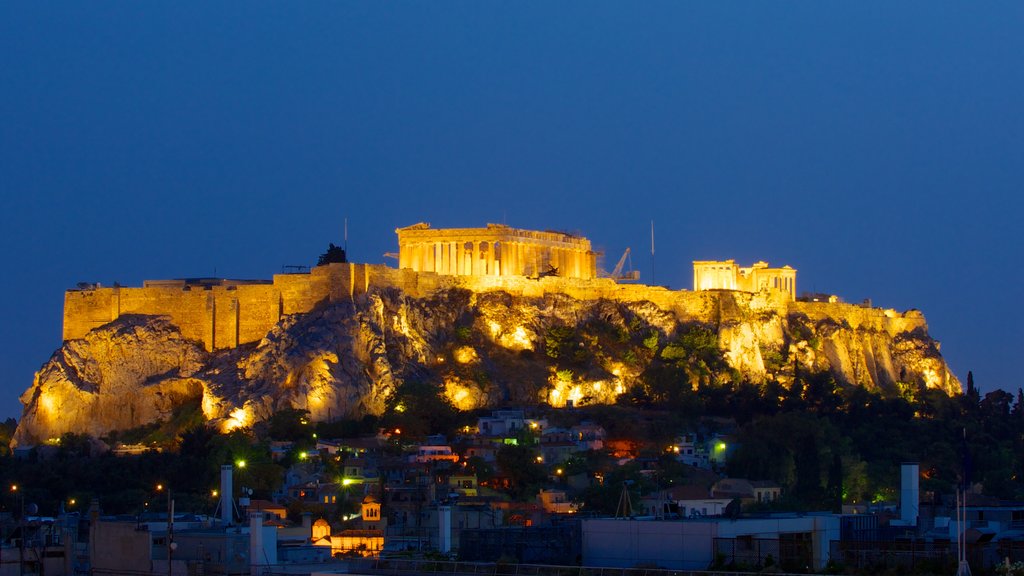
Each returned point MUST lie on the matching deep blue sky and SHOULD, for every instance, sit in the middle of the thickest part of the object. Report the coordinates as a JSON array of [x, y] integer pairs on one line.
[[877, 147]]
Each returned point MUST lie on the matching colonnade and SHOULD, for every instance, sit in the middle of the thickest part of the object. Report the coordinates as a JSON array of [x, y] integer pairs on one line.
[[726, 275], [494, 258]]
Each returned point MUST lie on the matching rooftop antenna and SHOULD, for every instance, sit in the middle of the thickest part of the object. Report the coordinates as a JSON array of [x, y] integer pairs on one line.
[[652, 252], [963, 568], [625, 507]]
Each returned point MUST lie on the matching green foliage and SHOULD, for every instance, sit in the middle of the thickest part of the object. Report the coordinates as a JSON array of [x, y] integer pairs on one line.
[[125, 484], [7, 429], [559, 342], [333, 255], [463, 334], [651, 341], [604, 498], [519, 464], [419, 408], [348, 428], [1008, 569], [290, 425], [773, 359]]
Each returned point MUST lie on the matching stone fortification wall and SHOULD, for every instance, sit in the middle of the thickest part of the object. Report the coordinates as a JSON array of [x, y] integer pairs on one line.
[[861, 317], [225, 316]]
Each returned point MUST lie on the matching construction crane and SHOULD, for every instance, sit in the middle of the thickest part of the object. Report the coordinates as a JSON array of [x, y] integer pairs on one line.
[[617, 274]]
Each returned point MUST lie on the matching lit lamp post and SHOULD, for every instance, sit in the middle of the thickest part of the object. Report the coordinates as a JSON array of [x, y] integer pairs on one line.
[[21, 526], [171, 544]]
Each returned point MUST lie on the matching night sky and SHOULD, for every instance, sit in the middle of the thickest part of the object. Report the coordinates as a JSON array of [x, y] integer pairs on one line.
[[876, 147]]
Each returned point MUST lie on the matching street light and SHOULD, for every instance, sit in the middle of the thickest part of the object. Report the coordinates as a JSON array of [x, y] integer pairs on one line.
[[171, 544], [21, 527]]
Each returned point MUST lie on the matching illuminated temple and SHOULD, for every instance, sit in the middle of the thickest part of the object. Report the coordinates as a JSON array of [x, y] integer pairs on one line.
[[726, 275], [496, 250]]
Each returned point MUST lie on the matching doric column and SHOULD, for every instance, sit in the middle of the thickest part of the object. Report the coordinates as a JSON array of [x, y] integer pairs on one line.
[[490, 258], [403, 255], [458, 258], [476, 258]]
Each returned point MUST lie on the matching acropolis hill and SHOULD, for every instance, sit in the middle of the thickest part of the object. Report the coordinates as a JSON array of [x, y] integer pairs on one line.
[[472, 309]]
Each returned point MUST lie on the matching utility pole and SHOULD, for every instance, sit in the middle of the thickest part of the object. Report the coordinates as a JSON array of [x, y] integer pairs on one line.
[[652, 253], [170, 533]]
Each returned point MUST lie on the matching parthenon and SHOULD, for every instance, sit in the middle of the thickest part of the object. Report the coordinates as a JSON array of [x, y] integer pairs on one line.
[[726, 275], [496, 250]]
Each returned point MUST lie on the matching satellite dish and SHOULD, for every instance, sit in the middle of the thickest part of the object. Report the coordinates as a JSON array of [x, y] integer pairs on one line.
[[31, 509]]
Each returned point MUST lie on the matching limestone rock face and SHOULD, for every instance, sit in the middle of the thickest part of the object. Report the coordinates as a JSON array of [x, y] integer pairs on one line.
[[128, 373], [481, 349]]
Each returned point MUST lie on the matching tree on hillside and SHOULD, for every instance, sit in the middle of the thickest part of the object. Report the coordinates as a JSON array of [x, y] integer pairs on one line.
[[334, 255], [519, 465]]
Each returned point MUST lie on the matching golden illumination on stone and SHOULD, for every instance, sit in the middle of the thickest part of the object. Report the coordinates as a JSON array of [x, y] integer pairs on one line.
[[575, 394], [495, 251], [512, 338], [465, 355], [462, 395], [520, 339], [726, 275], [555, 396], [239, 418]]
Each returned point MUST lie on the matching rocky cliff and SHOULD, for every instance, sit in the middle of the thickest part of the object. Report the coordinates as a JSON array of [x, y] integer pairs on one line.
[[481, 349]]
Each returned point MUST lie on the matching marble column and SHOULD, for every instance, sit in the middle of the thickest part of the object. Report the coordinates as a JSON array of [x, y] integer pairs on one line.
[[490, 259]]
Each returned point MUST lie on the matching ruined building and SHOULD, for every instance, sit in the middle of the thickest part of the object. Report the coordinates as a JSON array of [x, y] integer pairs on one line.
[[726, 275], [496, 250]]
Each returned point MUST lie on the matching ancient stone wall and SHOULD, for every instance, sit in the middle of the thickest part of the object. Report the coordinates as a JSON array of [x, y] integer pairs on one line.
[[225, 316]]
